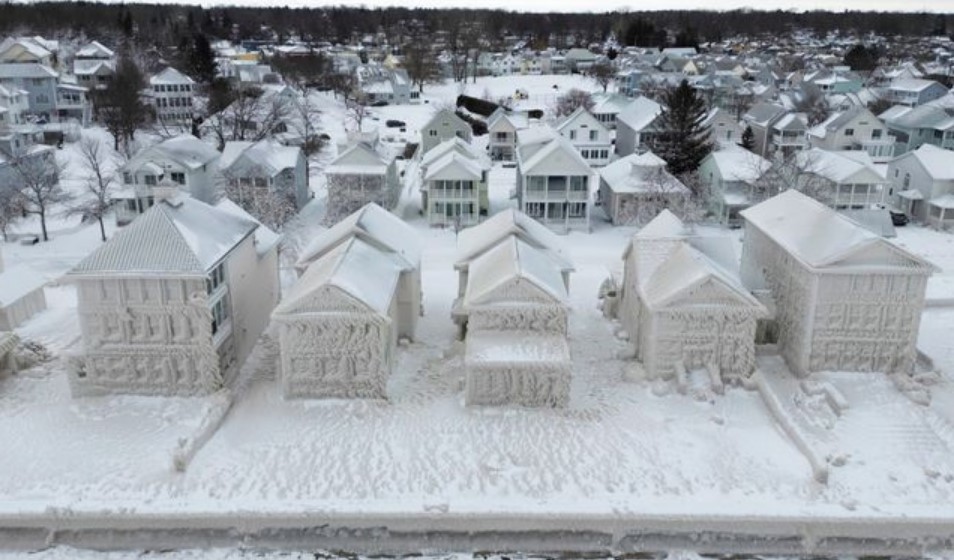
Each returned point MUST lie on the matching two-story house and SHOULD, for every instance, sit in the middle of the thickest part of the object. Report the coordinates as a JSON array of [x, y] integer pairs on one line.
[[724, 129], [358, 176], [734, 176], [913, 92], [444, 125], [172, 96], [502, 127], [454, 184], [553, 180], [174, 303], [183, 163], [38, 81], [925, 124], [845, 179], [923, 184], [635, 126], [265, 165], [94, 65], [588, 136], [856, 128]]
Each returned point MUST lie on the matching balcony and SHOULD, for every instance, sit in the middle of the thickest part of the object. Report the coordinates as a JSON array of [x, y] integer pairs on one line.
[[555, 195], [453, 194]]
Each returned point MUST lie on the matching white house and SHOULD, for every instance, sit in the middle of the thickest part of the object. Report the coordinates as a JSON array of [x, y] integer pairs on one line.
[[684, 306], [724, 129], [635, 188], [553, 180], [454, 184], [607, 107], [94, 65], [516, 347], [266, 165], [844, 179], [174, 303], [923, 184], [339, 323], [733, 175], [502, 128], [856, 128], [634, 126], [172, 96], [385, 231], [475, 241], [444, 125], [588, 136], [358, 176], [183, 163], [844, 298], [914, 91]]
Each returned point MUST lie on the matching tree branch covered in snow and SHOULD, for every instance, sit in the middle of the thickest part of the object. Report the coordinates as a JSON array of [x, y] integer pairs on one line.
[[272, 205], [36, 179], [99, 182]]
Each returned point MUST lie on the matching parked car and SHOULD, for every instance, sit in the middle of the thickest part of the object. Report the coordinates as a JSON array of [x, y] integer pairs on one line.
[[393, 123], [898, 218]]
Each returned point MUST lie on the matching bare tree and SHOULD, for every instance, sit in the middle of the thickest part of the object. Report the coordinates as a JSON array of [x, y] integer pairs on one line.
[[420, 63], [603, 74], [253, 116], [348, 193], [11, 208], [36, 178], [800, 171], [272, 205], [100, 183], [305, 120], [571, 101], [357, 110]]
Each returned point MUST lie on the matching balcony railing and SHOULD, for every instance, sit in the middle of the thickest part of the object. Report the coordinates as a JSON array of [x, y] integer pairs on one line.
[[440, 194], [542, 195]]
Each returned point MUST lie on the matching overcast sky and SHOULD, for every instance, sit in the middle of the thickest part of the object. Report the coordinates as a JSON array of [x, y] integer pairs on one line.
[[608, 5]]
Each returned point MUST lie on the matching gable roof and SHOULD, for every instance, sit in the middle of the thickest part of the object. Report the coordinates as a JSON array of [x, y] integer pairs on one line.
[[445, 114], [839, 166], [640, 113], [937, 162], [358, 159], [362, 271], [374, 225], [454, 166], [513, 259], [577, 116], [179, 236], [267, 154], [451, 145], [558, 150], [95, 49], [738, 164], [638, 173], [185, 149], [170, 76], [815, 234], [474, 241]]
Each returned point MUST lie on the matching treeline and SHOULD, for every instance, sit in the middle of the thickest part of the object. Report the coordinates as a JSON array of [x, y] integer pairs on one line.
[[166, 25]]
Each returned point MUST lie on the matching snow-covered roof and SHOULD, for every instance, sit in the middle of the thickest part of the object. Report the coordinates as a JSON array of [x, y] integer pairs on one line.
[[456, 145], [265, 238], [29, 44], [85, 67], [185, 149], [170, 76], [817, 235], [364, 272], [580, 115], [455, 167], [267, 154], [664, 225], [609, 103], [938, 162], [359, 159], [911, 84], [26, 70], [512, 260], [374, 225], [95, 49], [559, 152], [17, 282], [791, 121], [839, 166], [640, 113], [738, 164], [474, 241], [639, 173], [179, 236]]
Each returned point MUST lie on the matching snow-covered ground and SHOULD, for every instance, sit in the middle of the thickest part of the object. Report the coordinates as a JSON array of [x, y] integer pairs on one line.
[[626, 457]]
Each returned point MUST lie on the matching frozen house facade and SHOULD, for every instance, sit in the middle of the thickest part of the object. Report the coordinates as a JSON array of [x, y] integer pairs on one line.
[[845, 299], [636, 187], [360, 175], [454, 188], [517, 351], [266, 166], [684, 305], [387, 233], [476, 241], [182, 164], [174, 303]]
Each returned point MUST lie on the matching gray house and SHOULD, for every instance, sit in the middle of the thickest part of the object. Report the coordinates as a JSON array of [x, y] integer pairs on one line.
[[443, 126], [38, 81]]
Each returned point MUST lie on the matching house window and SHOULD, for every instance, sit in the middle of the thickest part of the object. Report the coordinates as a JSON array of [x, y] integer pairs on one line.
[[578, 183], [594, 134], [432, 132], [178, 177], [216, 278], [220, 314], [907, 180], [876, 133], [500, 136], [577, 210], [572, 135], [896, 172], [127, 177], [150, 180], [535, 209]]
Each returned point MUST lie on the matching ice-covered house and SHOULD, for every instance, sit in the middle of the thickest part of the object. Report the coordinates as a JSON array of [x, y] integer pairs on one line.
[[475, 241], [358, 176], [844, 179], [683, 304], [339, 324], [183, 164], [844, 298], [8, 359], [923, 184], [444, 125], [553, 180], [266, 165], [516, 347], [172, 96], [454, 184], [588, 136], [388, 233], [174, 303], [635, 188], [21, 295]]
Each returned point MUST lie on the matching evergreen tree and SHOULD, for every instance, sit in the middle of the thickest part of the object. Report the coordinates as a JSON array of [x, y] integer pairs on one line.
[[862, 58], [748, 139], [202, 59], [119, 106], [683, 140]]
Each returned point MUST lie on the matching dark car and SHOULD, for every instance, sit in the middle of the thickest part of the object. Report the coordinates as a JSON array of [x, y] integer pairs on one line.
[[392, 123], [898, 218]]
